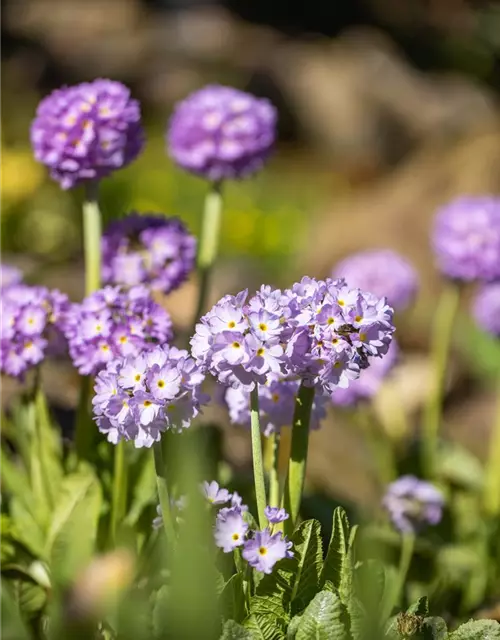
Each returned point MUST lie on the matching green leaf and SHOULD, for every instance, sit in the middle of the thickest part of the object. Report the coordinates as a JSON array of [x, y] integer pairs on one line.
[[234, 631], [12, 626], [337, 561], [27, 529], [308, 559], [477, 630], [73, 530], [420, 607], [144, 489], [263, 627], [160, 612], [15, 480], [324, 619], [435, 629], [293, 627], [232, 599]]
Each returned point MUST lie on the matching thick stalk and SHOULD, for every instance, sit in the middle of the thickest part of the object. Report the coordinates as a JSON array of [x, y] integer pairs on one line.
[[440, 348], [492, 473], [258, 465], [407, 547], [208, 244], [298, 454], [120, 488], [163, 496], [92, 238], [380, 444], [274, 478]]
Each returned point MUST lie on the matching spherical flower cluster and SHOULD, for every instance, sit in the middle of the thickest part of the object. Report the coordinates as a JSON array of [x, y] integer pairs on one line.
[[261, 549], [220, 132], [147, 249], [413, 504], [138, 398], [486, 308], [466, 238], [87, 131], [9, 275], [276, 405], [381, 272], [320, 331], [113, 323], [31, 322], [370, 380]]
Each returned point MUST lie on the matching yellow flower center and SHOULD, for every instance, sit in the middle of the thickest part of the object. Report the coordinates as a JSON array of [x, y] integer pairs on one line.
[[137, 377], [358, 318], [262, 551], [263, 326], [147, 403], [236, 345], [330, 321], [337, 365], [123, 339], [275, 397], [231, 324], [161, 384], [260, 352], [341, 302], [236, 536], [362, 337]]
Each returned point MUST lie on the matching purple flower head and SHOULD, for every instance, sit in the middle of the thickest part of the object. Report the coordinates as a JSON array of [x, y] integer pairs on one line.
[[115, 323], [486, 308], [230, 529], [276, 405], [466, 238], [214, 494], [264, 550], [9, 275], [135, 406], [87, 131], [370, 380], [220, 133], [381, 272], [31, 322], [148, 249], [237, 502], [413, 504], [275, 514]]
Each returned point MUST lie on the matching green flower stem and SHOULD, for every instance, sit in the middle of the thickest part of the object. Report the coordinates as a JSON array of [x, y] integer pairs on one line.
[[440, 348], [120, 489], [274, 478], [407, 548], [379, 443], [42, 430], [298, 454], [85, 427], [92, 238], [161, 483], [492, 473], [258, 465], [208, 244]]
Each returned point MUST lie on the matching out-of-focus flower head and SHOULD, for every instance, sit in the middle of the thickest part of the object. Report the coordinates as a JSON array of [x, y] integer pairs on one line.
[[215, 494], [276, 405], [114, 322], [275, 515], [87, 131], [9, 275], [31, 322], [413, 504], [264, 550], [486, 308], [370, 380], [222, 133], [466, 238], [381, 272], [147, 249], [319, 331], [139, 397]]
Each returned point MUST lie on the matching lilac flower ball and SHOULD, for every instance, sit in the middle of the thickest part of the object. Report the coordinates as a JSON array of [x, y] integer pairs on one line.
[[466, 238], [370, 380], [147, 249], [381, 272], [220, 133], [31, 323], [275, 515], [9, 275], [486, 308], [321, 332], [413, 504], [114, 323], [264, 550], [87, 131], [139, 397], [276, 405]]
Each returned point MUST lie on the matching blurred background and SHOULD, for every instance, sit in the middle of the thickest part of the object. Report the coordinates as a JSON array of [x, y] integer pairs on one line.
[[388, 109]]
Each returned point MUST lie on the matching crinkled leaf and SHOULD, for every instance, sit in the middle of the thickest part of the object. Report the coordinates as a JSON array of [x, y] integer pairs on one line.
[[232, 599], [12, 625], [15, 481], [477, 630], [49, 448], [420, 607], [234, 631], [308, 559], [337, 566], [264, 627], [26, 528], [435, 629], [144, 489], [73, 530], [324, 619], [293, 627]]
